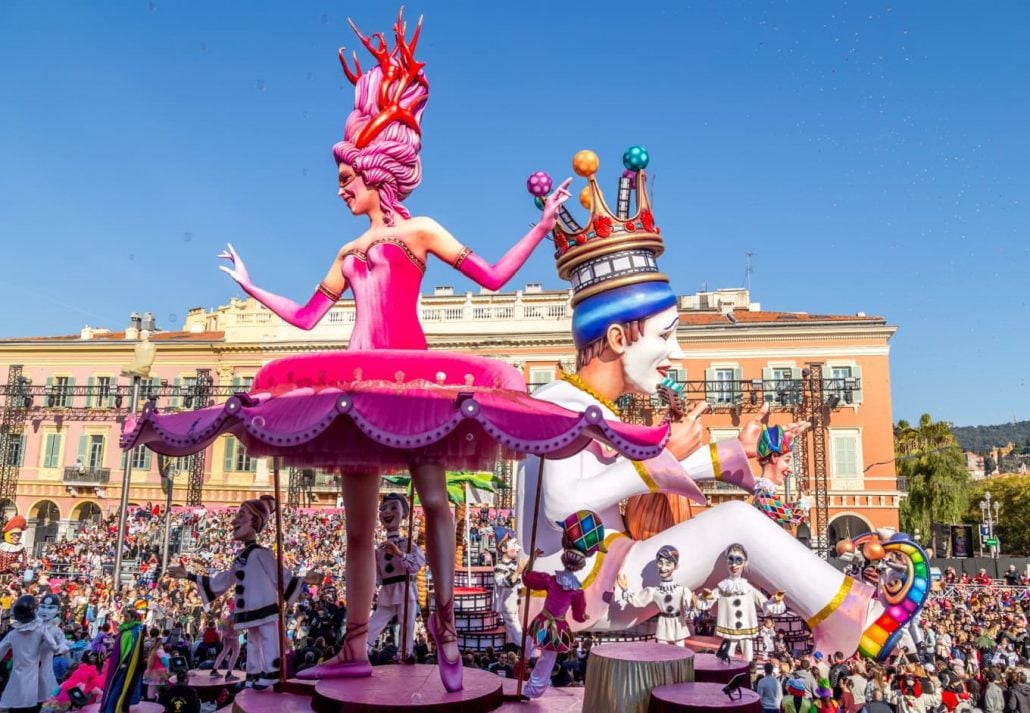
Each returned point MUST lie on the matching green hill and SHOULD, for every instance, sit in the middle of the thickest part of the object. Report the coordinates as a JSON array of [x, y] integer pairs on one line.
[[981, 438]]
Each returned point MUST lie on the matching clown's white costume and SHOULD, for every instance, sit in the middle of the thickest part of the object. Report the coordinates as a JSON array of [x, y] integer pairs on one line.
[[507, 580], [624, 326], [391, 573], [675, 603]]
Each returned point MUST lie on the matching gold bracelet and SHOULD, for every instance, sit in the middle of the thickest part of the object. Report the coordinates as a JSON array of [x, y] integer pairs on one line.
[[645, 476], [333, 296], [465, 252]]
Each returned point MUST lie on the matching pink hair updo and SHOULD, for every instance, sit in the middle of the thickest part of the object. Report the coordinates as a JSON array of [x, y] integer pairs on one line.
[[390, 163]]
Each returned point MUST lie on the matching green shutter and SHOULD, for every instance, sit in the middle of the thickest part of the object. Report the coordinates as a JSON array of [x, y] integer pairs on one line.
[[856, 396], [738, 392], [69, 399], [768, 385], [21, 451], [123, 460], [92, 400], [114, 388], [235, 384], [230, 452], [176, 395], [710, 393], [146, 458], [82, 448]]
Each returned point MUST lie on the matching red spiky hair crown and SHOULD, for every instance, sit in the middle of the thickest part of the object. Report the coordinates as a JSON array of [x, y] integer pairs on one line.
[[400, 70]]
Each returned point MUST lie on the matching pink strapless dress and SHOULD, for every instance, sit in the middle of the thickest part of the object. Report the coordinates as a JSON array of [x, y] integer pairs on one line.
[[388, 401]]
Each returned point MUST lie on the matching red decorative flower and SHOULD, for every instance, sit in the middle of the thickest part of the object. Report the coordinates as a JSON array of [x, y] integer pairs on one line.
[[630, 226], [647, 220], [603, 226]]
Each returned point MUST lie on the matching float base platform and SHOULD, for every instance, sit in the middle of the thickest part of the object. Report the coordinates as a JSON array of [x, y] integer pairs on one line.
[[390, 689], [702, 698], [703, 643], [141, 707], [709, 669], [555, 700], [202, 678]]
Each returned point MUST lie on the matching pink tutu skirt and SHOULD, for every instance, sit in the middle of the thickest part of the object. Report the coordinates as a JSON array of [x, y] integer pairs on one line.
[[387, 410]]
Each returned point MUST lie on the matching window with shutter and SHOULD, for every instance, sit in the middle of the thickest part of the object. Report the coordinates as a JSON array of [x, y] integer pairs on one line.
[[96, 451], [846, 457], [229, 461], [721, 386], [141, 458], [52, 450]]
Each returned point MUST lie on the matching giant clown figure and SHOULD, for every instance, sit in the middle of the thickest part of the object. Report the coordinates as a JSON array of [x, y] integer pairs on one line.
[[624, 326]]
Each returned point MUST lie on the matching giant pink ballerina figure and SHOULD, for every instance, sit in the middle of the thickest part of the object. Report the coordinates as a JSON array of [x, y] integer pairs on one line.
[[379, 166]]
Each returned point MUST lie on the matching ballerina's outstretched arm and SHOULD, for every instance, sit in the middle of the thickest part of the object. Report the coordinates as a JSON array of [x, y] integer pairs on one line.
[[493, 277], [304, 317]]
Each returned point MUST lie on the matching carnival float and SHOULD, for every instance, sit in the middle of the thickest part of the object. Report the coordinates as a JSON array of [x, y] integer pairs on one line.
[[388, 403]]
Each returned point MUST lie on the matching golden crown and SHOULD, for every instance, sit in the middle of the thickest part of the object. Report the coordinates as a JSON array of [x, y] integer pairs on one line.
[[614, 248]]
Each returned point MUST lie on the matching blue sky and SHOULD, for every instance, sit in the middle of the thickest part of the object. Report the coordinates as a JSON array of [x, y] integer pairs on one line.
[[873, 155]]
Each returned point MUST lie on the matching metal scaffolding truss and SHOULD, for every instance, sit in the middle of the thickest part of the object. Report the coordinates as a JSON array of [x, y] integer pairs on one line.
[[12, 426]]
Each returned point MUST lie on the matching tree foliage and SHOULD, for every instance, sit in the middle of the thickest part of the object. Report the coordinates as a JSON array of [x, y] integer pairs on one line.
[[931, 461], [983, 438], [1013, 526]]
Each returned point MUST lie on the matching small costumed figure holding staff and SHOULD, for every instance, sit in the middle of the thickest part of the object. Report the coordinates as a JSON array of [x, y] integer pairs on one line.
[[253, 579], [582, 536], [674, 601], [13, 559], [27, 642], [738, 603], [396, 568], [507, 578], [49, 612]]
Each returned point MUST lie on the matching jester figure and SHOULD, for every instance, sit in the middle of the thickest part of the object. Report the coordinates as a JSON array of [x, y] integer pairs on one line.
[[582, 535], [123, 674], [777, 462], [624, 324], [13, 558]]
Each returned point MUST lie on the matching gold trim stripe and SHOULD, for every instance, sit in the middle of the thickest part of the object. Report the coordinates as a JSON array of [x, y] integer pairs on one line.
[[716, 465], [838, 599], [645, 476]]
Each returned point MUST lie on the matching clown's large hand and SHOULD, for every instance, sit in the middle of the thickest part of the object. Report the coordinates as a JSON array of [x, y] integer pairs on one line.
[[176, 571], [752, 432], [686, 436]]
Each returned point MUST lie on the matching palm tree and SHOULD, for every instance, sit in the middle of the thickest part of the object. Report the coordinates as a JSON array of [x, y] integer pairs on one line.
[[930, 460]]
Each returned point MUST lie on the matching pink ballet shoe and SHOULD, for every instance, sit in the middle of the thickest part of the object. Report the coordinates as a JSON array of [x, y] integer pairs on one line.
[[341, 669], [346, 669], [450, 671]]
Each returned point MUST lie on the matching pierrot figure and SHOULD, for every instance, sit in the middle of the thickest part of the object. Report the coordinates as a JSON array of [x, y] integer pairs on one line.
[[674, 601]]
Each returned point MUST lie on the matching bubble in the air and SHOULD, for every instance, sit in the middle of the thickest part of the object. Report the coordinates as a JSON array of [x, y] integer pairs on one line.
[[307, 114], [187, 237], [132, 256], [152, 6], [309, 76], [260, 85], [172, 318], [325, 19], [303, 171], [203, 46]]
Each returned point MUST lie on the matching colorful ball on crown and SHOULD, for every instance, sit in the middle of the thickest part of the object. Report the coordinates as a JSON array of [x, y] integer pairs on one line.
[[635, 158], [585, 163], [539, 184], [585, 198]]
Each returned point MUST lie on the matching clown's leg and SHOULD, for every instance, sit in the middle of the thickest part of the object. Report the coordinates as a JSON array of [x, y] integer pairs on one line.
[[233, 646], [512, 625], [836, 607], [382, 616], [747, 650], [540, 679]]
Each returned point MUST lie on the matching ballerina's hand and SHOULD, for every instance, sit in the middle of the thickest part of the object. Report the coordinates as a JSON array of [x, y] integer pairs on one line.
[[238, 271], [553, 203]]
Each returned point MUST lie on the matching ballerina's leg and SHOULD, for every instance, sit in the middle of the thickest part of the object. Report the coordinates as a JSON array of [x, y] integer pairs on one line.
[[430, 482], [361, 505]]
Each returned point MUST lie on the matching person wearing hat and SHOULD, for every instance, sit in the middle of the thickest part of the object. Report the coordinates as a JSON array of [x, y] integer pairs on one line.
[[507, 578], [624, 324], [738, 601], [674, 601], [777, 462], [27, 642], [396, 568], [824, 702], [253, 579], [13, 558], [582, 536], [796, 701]]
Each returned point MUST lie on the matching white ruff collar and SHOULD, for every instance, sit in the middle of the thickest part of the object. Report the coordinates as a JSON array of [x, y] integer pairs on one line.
[[11, 547], [567, 580], [734, 585]]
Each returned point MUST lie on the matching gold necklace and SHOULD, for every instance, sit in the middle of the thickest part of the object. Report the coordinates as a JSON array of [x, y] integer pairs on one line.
[[577, 381]]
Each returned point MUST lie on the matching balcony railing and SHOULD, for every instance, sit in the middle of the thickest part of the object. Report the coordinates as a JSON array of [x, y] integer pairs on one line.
[[73, 474]]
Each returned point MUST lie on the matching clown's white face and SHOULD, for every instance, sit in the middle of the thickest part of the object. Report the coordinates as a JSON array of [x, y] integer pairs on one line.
[[645, 362], [665, 568], [243, 526], [735, 563], [391, 513], [48, 610]]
